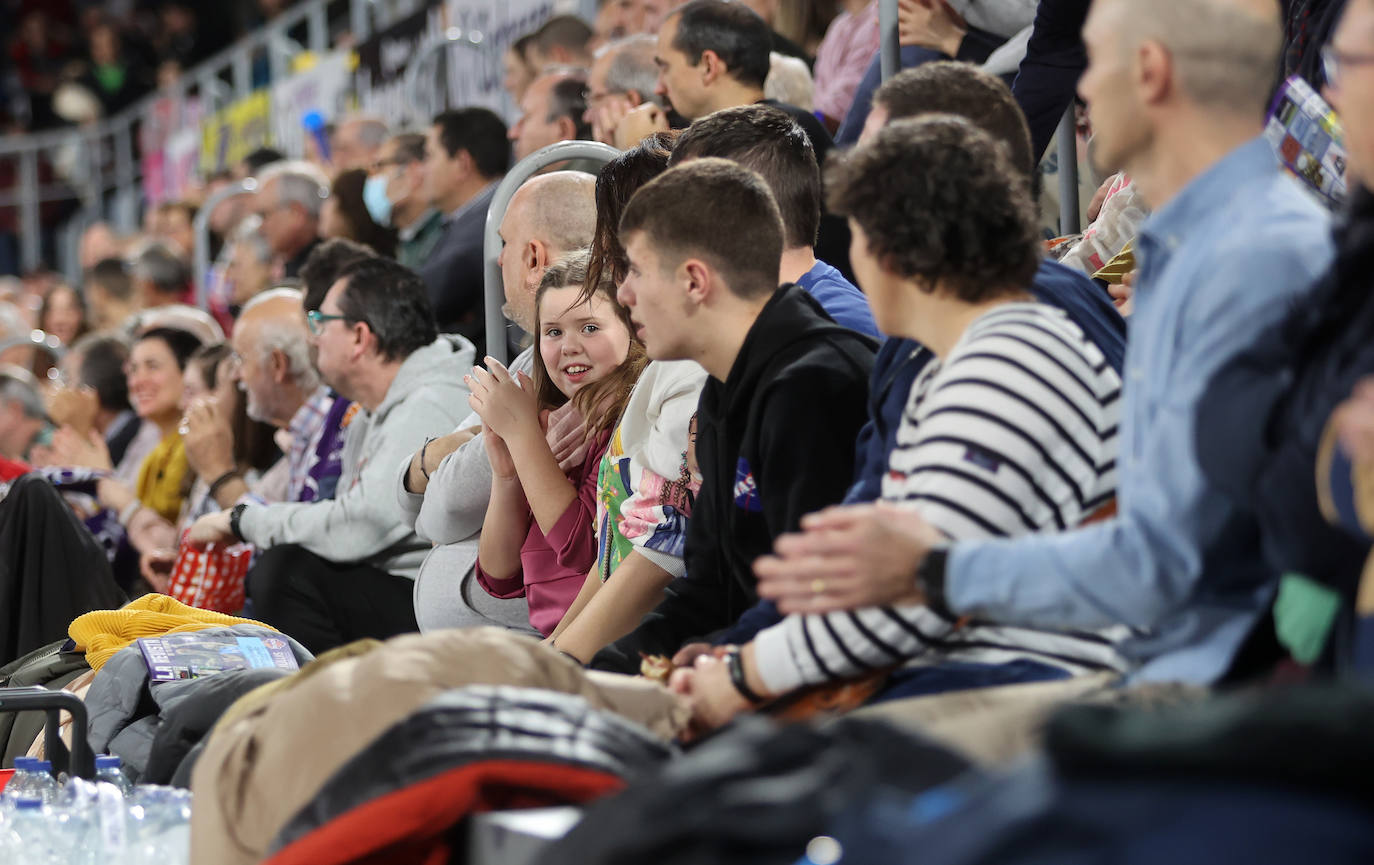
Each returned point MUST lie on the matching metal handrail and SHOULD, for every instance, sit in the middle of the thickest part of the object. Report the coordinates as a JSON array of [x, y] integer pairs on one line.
[[473, 39], [889, 42], [494, 295], [118, 130], [38, 339], [1069, 220]]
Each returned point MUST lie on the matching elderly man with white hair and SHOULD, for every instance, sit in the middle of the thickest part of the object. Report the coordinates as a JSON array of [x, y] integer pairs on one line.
[[288, 201], [283, 388]]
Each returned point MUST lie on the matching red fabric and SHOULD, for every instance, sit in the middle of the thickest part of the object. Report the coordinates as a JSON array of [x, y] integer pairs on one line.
[[410, 826], [211, 578], [11, 469]]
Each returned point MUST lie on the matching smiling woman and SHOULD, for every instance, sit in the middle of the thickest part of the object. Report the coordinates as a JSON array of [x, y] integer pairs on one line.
[[154, 371]]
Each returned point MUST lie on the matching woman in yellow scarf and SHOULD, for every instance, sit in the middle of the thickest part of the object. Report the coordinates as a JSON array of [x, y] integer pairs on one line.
[[156, 363]]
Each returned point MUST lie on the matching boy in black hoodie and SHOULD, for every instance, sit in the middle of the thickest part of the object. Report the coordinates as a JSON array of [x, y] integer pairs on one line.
[[780, 413]]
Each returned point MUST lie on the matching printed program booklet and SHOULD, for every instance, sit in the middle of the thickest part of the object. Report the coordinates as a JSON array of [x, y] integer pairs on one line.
[[188, 656], [1309, 139]]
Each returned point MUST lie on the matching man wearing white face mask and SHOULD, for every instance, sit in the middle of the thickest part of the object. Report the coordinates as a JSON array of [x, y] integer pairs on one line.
[[395, 195]]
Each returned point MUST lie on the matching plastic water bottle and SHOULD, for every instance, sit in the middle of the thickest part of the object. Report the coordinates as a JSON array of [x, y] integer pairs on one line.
[[29, 821], [107, 769], [45, 786], [21, 782]]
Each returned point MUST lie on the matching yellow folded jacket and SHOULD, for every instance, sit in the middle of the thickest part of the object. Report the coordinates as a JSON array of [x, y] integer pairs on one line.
[[102, 633]]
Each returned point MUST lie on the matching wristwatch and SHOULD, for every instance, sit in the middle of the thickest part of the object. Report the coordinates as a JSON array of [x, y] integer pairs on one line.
[[734, 663], [930, 578], [235, 515]]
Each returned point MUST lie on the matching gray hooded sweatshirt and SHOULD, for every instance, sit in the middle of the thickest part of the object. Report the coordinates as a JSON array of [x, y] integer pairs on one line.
[[363, 522]]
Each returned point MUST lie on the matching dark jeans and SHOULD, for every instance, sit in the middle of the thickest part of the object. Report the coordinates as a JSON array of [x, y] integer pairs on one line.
[[325, 604]]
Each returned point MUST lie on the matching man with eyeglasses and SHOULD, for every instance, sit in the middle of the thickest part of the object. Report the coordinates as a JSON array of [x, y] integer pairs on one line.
[[395, 195], [622, 77], [330, 572], [289, 199], [552, 110]]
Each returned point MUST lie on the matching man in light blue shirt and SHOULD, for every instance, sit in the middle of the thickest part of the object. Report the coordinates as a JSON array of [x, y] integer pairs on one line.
[[1176, 90]]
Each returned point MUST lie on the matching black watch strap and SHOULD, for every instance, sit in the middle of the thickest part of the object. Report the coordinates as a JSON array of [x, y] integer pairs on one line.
[[930, 574], [235, 516], [734, 662]]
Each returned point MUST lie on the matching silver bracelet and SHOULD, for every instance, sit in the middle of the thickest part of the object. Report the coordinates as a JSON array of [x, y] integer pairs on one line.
[[128, 512]]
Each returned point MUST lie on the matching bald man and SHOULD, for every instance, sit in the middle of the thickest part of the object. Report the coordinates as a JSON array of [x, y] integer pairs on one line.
[[1177, 91], [445, 486]]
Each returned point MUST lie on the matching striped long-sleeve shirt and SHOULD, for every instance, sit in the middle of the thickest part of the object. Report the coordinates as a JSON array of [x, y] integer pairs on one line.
[[1015, 432]]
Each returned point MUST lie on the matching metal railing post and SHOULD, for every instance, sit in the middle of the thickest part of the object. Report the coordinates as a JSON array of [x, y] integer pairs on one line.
[[30, 226], [890, 45], [1069, 222], [317, 32], [242, 71], [495, 293], [411, 80], [360, 19], [201, 227]]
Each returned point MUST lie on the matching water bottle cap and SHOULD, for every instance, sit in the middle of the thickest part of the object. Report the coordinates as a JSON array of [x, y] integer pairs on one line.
[[107, 761], [23, 763], [43, 765], [28, 804]]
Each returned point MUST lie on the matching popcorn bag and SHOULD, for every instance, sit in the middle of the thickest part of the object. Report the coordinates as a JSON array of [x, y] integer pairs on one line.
[[211, 578]]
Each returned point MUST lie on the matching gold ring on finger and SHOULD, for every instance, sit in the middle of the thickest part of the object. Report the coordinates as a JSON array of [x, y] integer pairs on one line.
[[817, 586]]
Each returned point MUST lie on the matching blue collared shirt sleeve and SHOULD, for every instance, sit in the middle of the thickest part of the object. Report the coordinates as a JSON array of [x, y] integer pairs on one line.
[[1146, 563]]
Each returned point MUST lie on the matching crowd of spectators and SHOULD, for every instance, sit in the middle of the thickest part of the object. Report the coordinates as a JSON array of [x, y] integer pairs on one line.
[[788, 412], [66, 61]]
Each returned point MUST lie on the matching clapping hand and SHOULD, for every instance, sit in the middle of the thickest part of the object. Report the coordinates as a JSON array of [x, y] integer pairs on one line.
[[74, 407], [507, 405], [72, 449], [208, 439], [565, 431]]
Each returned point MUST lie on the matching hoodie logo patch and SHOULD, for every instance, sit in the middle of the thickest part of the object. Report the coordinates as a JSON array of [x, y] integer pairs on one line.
[[746, 489]]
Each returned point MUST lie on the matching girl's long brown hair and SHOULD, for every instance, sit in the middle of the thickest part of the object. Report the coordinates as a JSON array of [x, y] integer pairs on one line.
[[615, 186], [603, 401]]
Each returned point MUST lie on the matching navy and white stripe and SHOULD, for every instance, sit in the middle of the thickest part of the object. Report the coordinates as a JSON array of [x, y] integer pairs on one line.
[[1014, 432]]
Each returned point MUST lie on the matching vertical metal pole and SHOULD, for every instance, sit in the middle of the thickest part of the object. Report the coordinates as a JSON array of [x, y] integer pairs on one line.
[[887, 30], [360, 19], [1069, 222], [30, 228], [200, 227], [276, 54], [125, 173], [94, 157], [317, 29], [242, 71]]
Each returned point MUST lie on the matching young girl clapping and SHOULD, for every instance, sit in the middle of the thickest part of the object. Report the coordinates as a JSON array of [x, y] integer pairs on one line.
[[538, 538]]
